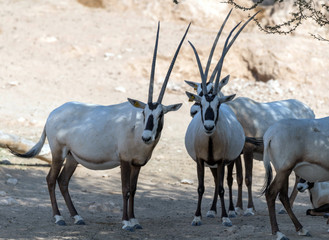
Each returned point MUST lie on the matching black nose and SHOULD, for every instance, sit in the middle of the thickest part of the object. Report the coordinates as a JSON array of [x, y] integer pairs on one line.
[[209, 128], [146, 140]]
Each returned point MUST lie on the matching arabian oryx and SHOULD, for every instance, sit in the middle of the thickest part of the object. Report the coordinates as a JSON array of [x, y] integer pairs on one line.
[[319, 196], [299, 145], [255, 118], [104, 137], [214, 137]]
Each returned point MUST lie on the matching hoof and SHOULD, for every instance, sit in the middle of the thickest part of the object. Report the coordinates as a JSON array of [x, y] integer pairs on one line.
[[226, 222], [138, 226], [281, 236], [59, 220], [232, 214], [304, 232], [128, 228], [80, 222], [211, 214], [249, 212], [239, 211], [61, 223], [135, 224], [196, 221]]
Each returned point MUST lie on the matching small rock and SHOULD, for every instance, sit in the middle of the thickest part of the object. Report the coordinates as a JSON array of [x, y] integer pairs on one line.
[[120, 89], [48, 39], [5, 162], [13, 83], [12, 181], [3, 194], [21, 119], [7, 201], [108, 55], [186, 181], [8, 175], [247, 228]]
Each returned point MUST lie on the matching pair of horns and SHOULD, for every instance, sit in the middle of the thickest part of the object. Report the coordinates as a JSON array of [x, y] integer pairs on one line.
[[227, 46], [164, 85]]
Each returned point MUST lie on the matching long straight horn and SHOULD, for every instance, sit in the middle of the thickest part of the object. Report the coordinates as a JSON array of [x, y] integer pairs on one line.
[[227, 47], [164, 85], [214, 45], [153, 66], [203, 79]]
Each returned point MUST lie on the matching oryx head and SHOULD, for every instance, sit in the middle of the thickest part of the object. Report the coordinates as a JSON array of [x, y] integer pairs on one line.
[[153, 112], [303, 185], [209, 104], [204, 75]]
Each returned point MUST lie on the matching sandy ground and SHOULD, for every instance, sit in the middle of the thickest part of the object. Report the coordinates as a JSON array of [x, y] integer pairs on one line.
[[52, 53]]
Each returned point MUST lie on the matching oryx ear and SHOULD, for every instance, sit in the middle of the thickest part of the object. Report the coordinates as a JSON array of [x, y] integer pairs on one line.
[[223, 82], [226, 98], [193, 97], [192, 84], [170, 108], [136, 103]]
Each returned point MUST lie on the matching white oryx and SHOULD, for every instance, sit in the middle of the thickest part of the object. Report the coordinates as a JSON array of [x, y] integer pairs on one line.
[[104, 137], [214, 137], [299, 145], [255, 118], [319, 196]]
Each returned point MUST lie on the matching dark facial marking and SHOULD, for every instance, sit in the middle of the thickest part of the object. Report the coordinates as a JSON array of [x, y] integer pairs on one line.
[[302, 180], [160, 125], [153, 106], [209, 114], [310, 185], [149, 123]]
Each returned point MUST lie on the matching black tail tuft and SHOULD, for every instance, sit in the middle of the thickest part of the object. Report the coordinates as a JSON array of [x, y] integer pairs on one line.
[[268, 180], [255, 141]]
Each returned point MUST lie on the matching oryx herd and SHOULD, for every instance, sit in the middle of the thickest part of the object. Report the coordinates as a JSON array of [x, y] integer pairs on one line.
[[282, 133]]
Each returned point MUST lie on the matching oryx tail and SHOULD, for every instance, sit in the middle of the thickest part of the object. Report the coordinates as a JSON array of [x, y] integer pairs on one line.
[[35, 150]]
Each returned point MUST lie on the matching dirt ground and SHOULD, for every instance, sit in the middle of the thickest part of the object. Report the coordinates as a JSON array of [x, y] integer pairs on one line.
[[57, 51]]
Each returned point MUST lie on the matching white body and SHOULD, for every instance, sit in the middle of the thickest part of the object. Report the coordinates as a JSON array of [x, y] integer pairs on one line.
[[99, 136], [256, 117], [301, 145], [228, 138], [319, 193]]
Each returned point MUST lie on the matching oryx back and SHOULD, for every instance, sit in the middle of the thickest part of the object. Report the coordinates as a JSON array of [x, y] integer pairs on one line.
[[256, 117], [97, 136]]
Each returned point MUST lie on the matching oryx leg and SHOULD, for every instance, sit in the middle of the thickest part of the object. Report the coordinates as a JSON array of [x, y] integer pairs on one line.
[[293, 195], [56, 165], [239, 179], [283, 196], [200, 170], [231, 210], [220, 173], [134, 173], [213, 209], [63, 182], [272, 192], [129, 176], [320, 211], [248, 161]]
